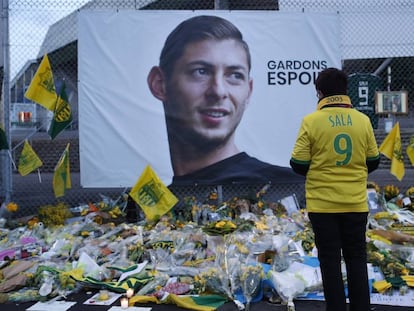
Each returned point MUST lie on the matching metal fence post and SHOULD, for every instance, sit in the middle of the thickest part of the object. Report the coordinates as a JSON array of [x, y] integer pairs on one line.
[[221, 4], [6, 163]]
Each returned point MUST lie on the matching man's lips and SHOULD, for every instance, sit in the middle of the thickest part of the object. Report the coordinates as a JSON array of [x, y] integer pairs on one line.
[[213, 117], [215, 113]]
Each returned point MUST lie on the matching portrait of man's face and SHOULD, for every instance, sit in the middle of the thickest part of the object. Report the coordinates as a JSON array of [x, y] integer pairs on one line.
[[208, 91], [181, 108]]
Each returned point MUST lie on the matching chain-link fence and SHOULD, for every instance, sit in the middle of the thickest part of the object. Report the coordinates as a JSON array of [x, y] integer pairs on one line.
[[36, 27]]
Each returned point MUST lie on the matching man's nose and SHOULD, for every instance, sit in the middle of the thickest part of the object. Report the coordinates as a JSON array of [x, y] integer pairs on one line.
[[217, 86]]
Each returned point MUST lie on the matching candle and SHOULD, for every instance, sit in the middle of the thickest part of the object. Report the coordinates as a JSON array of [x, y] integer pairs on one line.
[[103, 294], [124, 303], [129, 292]]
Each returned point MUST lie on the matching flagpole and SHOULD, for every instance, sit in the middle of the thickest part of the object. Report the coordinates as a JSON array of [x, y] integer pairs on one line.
[[27, 137], [40, 177], [11, 159]]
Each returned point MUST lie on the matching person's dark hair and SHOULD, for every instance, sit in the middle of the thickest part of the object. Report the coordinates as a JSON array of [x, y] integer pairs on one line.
[[332, 81], [196, 29]]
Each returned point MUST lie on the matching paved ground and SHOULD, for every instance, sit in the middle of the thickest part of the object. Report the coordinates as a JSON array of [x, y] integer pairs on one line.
[[260, 306]]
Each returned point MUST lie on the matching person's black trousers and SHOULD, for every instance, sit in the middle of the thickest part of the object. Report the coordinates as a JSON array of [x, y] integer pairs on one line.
[[337, 235]]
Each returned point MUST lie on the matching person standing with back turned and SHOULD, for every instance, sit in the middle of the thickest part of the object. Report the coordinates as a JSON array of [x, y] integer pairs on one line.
[[336, 149]]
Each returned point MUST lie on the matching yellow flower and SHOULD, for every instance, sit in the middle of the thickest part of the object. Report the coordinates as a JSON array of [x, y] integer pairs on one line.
[[213, 195], [390, 191], [231, 225], [373, 185], [32, 222], [242, 248], [220, 224], [12, 207], [410, 192], [98, 220], [54, 215], [261, 225]]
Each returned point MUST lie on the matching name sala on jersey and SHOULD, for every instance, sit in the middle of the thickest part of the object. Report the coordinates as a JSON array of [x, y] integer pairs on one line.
[[340, 120]]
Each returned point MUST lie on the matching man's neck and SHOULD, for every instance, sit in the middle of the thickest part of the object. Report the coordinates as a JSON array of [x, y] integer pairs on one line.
[[186, 161]]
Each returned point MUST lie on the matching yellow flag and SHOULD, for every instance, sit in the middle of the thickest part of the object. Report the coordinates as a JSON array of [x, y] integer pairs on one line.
[[209, 302], [152, 195], [28, 161], [410, 150], [391, 148], [61, 176], [62, 116], [42, 87]]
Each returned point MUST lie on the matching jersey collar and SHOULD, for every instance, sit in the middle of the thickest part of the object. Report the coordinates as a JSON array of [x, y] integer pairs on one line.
[[335, 101]]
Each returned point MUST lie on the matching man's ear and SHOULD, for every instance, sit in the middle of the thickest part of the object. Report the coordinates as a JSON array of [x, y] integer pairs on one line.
[[250, 87], [156, 83], [319, 94], [250, 92]]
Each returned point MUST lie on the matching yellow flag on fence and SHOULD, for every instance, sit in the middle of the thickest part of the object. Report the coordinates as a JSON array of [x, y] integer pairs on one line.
[[42, 87], [410, 150], [391, 148], [28, 161], [62, 115], [61, 176], [152, 195]]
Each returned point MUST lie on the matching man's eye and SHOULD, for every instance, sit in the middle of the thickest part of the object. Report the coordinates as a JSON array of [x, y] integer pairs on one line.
[[237, 77], [199, 72]]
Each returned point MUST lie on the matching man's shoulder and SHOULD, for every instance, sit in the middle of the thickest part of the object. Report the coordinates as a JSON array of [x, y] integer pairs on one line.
[[280, 174], [245, 159], [240, 169]]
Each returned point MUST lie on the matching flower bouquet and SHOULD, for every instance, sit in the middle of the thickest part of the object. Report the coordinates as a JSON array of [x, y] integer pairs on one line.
[[6, 211], [220, 227], [250, 281], [215, 280]]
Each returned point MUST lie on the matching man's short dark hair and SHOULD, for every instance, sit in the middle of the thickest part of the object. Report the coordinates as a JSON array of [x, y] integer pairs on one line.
[[196, 29], [332, 81]]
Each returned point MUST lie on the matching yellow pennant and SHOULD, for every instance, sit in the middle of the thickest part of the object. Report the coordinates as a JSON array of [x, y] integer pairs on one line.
[[42, 87], [61, 176], [150, 193], [391, 148], [410, 150], [28, 161]]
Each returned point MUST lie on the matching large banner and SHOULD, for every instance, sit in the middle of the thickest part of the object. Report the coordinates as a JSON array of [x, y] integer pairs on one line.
[[122, 125]]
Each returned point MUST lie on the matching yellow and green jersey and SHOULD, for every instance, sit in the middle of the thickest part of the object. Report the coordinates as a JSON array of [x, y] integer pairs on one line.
[[335, 142]]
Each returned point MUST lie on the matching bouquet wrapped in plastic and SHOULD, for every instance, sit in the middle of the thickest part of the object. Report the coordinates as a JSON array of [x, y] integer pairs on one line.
[[250, 281], [215, 280]]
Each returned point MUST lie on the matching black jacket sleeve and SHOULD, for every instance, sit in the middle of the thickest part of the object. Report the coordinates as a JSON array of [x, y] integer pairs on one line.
[[301, 169], [372, 164]]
